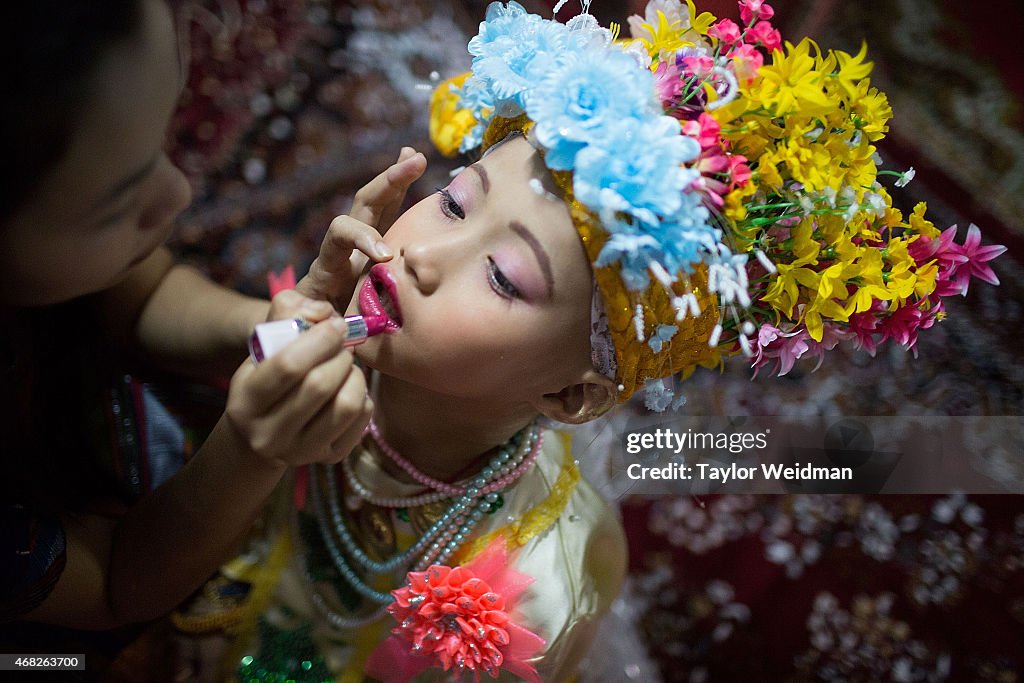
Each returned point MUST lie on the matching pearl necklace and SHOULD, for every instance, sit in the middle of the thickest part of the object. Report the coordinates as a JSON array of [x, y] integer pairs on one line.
[[509, 472], [335, 619], [441, 540], [450, 490]]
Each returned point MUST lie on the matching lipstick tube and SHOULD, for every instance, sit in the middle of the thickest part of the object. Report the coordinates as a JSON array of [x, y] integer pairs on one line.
[[269, 338]]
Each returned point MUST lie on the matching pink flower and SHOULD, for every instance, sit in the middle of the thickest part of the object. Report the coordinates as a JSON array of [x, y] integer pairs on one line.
[[720, 172], [784, 347], [700, 66], [905, 322], [739, 170], [864, 327], [977, 260], [762, 33], [943, 249], [705, 130], [747, 61], [458, 617], [668, 83], [957, 263], [788, 347], [726, 31], [750, 9], [831, 335]]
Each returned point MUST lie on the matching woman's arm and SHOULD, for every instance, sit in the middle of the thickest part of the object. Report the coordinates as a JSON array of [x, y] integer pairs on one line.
[[135, 568], [178, 318], [306, 404]]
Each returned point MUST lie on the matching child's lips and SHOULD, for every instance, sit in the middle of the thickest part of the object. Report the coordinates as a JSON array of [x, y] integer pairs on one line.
[[378, 298]]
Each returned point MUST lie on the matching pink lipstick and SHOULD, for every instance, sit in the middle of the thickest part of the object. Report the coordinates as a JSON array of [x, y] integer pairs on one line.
[[269, 338], [378, 298]]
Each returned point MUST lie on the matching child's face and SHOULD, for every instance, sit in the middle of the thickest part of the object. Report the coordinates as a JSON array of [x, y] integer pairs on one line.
[[492, 283], [111, 200]]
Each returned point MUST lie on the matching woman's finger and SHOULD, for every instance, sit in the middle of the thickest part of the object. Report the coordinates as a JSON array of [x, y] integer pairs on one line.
[[277, 376], [289, 303]]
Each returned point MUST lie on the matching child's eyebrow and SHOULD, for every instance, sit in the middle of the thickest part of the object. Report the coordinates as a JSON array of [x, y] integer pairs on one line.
[[485, 182], [538, 251]]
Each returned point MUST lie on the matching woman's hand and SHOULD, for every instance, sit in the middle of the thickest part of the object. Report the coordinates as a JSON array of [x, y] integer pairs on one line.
[[308, 402], [355, 237]]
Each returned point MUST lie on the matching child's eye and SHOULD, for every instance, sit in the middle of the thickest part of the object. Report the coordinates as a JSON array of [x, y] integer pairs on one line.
[[499, 283], [449, 207]]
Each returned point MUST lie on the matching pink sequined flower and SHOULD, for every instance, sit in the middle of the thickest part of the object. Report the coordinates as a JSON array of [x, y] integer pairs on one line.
[[458, 618]]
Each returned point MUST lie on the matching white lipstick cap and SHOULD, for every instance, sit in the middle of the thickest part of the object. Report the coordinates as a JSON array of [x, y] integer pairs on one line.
[[269, 338]]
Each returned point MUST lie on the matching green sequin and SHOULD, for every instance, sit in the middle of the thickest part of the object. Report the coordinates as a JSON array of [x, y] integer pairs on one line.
[[285, 657], [496, 505]]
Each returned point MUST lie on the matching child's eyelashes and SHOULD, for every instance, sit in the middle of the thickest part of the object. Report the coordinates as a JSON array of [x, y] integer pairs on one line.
[[499, 283], [449, 206], [453, 210]]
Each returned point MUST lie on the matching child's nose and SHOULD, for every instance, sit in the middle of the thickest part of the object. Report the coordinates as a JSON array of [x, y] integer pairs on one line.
[[422, 260]]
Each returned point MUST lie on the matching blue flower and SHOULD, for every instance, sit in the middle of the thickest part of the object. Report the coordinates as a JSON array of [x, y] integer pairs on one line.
[[657, 396], [637, 169], [633, 250], [514, 50], [475, 96], [675, 243], [584, 94], [662, 334]]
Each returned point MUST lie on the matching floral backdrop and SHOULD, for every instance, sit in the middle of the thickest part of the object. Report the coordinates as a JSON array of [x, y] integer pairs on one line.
[[292, 105]]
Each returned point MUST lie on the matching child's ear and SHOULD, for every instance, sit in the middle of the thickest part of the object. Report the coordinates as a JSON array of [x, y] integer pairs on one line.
[[586, 400]]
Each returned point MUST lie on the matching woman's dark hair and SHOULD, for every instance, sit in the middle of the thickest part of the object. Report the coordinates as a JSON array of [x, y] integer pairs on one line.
[[50, 49]]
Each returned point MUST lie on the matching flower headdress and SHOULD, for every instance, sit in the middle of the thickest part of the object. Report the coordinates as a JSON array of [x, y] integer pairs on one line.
[[725, 185]]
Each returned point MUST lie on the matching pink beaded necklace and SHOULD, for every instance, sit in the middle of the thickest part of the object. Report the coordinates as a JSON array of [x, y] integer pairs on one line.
[[452, 490]]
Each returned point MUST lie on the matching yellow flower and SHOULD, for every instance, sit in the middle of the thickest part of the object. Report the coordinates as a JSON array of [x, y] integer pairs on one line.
[[664, 37], [865, 295], [701, 22], [805, 247], [817, 311], [736, 209], [920, 224], [792, 84], [901, 280], [782, 294], [808, 162], [851, 70], [901, 285], [767, 174], [925, 284], [893, 217], [832, 280], [860, 170], [448, 123], [871, 111], [871, 265]]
